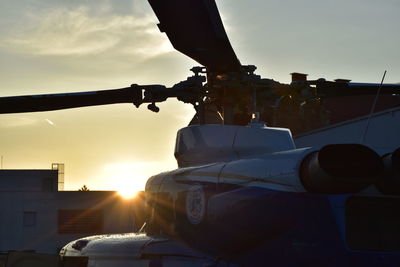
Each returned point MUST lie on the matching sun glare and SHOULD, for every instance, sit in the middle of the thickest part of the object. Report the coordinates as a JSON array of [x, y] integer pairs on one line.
[[128, 193], [128, 178]]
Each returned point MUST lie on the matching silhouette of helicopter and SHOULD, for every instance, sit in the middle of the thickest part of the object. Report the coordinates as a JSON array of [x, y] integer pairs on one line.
[[246, 194]]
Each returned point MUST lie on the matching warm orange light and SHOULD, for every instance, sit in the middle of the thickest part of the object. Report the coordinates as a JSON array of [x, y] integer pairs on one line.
[[127, 178], [128, 193]]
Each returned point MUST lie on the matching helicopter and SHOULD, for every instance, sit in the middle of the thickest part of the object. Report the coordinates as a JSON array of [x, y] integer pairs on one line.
[[246, 194]]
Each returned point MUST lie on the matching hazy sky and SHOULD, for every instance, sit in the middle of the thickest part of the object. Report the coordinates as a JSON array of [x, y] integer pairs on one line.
[[65, 46]]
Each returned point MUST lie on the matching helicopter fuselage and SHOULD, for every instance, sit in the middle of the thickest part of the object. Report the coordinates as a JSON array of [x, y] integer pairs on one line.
[[270, 206]]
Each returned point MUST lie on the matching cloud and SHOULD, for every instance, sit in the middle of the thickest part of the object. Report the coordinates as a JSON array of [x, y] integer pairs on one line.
[[12, 121], [79, 32]]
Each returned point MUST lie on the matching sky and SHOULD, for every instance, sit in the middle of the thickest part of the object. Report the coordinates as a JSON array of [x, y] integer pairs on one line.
[[51, 46]]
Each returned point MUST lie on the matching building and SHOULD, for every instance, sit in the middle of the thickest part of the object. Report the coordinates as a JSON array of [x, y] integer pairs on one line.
[[36, 215]]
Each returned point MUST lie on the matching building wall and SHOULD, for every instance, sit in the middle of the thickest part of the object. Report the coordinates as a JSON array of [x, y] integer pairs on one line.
[[29, 221], [382, 135], [32, 212], [28, 180]]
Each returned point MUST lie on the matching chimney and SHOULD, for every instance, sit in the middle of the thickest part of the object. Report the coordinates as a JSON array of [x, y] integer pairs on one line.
[[297, 77]]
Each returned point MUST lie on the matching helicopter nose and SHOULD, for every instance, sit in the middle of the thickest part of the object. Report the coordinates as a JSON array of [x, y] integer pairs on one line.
[[340, 169], [389, 182]]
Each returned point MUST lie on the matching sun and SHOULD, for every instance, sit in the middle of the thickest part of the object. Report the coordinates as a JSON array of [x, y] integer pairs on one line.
[[128, 193], [127, 178]]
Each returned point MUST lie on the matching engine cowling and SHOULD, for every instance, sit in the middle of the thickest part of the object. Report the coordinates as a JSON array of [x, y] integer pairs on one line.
[[389, 182], [340, 169]]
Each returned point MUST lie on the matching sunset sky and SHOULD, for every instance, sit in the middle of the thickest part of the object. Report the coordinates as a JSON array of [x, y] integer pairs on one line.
[[51, 46]]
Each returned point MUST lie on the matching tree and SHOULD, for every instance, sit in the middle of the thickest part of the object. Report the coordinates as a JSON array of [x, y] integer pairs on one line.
[[84, 188]]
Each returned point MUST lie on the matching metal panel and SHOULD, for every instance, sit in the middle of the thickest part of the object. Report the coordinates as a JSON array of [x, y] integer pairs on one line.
[[194, 28]]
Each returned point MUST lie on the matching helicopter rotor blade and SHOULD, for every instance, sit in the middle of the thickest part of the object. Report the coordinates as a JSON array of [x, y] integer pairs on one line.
[[48, 102], [135, 94], [335, 89], [360, 88], [187, 91], [195, 28]]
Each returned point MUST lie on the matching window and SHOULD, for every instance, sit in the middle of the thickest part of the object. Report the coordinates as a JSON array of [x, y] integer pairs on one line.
[[80, 221], [29, 218]]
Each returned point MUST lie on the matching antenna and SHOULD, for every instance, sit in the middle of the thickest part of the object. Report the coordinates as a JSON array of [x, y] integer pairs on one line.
[[372, 109], [1, 162]]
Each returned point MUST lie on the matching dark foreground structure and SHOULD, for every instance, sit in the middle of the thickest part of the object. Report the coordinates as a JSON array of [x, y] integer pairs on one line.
[[36, 216]]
